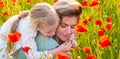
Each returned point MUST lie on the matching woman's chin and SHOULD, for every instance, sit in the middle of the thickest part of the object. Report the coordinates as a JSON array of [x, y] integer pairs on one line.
[[64, 39]]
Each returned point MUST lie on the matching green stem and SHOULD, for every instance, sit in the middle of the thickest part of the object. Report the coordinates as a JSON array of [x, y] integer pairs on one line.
[[111, 53]]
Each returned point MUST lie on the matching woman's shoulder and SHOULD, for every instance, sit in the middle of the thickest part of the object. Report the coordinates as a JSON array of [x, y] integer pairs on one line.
[[43, 42]]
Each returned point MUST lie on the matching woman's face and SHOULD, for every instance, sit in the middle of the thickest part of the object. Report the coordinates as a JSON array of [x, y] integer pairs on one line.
[[66, 27]]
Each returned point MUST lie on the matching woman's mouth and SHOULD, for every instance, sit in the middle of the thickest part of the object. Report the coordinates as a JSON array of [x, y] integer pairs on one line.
[[66, 36]]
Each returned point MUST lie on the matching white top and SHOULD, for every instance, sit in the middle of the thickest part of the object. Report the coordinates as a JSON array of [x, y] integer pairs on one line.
[[27, 38]]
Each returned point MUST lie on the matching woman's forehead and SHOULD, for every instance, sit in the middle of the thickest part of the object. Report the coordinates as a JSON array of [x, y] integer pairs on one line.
[[69, 20]]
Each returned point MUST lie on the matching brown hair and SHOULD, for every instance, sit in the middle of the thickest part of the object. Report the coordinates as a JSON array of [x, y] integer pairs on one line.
[[68, 8]]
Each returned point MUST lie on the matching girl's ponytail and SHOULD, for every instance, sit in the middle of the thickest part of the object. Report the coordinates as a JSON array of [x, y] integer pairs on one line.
[[15, 23], [13, 27]]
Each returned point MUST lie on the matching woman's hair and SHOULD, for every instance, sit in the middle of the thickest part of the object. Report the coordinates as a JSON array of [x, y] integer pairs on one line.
[[68, 8], [43, 13], [39, 14]]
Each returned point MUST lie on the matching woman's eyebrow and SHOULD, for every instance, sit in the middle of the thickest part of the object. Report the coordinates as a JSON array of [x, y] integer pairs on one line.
[[74, 25], [64, 24]]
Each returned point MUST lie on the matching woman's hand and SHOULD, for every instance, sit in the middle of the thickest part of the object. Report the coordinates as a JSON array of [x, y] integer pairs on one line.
[[65, 46], [73, 41], [62, 48]]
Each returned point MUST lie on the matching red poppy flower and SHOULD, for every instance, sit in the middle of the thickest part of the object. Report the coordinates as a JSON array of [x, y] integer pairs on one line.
[[26, 49], [86, 49], [13, 0], [109, 19], [104, 41], [101, 32], [90, 18], [5, 13], [1, 4], [85, 21], [84, 3], [109, 25], [91, 57], [55, 0], [28, 1], [14, 37], [94, 3], [98, 22], [80, 28], [62, 55]]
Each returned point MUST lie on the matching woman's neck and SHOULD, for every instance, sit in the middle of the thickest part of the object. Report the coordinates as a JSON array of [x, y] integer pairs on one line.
[[58, 40]]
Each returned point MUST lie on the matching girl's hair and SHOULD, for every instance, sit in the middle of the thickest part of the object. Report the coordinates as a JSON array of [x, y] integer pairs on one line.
[[15, 23], [39, 14], [13, 27], [43, 13]]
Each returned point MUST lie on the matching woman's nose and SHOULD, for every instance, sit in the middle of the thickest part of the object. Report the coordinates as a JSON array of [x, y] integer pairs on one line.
[[68, 30]]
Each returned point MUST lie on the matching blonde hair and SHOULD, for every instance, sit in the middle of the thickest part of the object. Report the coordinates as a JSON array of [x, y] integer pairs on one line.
[[41, 12], [13, 27]]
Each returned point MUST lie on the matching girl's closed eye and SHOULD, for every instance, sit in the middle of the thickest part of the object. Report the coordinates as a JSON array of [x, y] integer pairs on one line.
[[50, 32]]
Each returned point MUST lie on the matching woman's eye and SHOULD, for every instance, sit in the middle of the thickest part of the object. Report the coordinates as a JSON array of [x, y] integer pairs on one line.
[[73, 27], [63, 26]]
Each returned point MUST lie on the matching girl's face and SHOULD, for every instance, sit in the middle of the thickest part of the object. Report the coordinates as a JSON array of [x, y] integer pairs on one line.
[[66, 27], [48, 30]]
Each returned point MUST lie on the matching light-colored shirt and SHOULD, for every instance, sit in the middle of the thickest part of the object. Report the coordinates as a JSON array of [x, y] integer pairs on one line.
[[27, 38]]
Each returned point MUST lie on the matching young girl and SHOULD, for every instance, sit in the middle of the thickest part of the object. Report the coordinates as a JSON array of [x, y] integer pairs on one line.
[[42, 20]]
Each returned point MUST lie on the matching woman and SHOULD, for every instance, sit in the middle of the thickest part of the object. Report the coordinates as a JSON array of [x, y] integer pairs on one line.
[[69, 12]]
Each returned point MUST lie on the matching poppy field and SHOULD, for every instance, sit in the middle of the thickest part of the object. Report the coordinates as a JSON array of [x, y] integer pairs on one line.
[[98, 30]]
